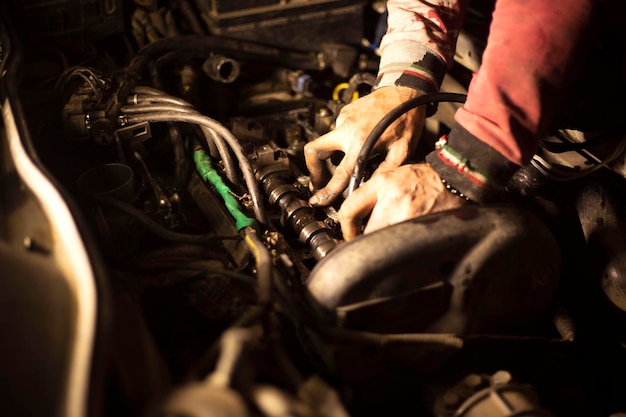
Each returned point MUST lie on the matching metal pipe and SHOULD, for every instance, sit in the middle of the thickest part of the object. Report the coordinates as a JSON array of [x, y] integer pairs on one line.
[[222, 69]]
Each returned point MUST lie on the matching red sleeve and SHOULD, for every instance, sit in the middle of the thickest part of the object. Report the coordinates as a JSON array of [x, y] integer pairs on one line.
[[533, 51]]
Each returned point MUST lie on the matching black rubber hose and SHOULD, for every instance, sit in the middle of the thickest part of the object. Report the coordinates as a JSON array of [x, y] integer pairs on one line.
[[201, 45], [181, 163], [385, 122], [153, 226]]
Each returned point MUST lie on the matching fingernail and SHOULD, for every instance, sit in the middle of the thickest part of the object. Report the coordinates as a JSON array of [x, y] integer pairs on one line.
[[314, 200]]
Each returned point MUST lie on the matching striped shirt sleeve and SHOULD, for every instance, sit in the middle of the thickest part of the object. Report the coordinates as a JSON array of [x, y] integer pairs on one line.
[[418, 47]]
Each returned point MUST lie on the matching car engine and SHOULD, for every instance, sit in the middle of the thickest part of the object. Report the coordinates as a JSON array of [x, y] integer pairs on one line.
[[160, 256]]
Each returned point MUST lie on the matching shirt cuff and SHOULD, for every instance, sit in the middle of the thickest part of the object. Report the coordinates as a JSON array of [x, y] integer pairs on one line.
[[471, 166], [411, 64]]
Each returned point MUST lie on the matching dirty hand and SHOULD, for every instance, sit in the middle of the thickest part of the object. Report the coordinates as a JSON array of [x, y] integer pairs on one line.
[[393, 195], [353, 125]]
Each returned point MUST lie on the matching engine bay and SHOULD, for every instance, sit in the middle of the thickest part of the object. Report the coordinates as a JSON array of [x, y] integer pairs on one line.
[[174, 132]]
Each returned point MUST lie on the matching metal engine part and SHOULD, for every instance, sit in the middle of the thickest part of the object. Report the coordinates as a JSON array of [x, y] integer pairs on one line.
[[273, 172], [497, 395], [161, 192], [221, 68]]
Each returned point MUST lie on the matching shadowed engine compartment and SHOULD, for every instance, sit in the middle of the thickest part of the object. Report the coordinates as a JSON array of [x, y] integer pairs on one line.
[[160, 256]]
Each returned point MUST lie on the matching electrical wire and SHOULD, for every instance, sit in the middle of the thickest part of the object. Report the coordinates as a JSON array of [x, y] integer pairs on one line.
[[264, 266], [147, 90], [230, 168], [158, 107], [165, 102], [139, 99], [200, 119], [90, 76], [208, 173], [386, 121]]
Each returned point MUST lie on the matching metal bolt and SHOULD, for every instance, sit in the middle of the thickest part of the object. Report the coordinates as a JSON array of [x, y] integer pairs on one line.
[[501, 377], [323, 112]]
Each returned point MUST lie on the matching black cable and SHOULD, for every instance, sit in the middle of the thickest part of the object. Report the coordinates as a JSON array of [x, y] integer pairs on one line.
[[155, 227], [181, 163], [385, 122]]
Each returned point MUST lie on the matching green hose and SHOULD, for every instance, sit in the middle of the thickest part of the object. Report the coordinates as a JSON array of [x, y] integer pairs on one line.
[[206, 171]]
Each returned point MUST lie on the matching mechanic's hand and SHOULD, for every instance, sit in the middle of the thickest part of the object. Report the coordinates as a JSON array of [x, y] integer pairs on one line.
[[393, 195], [354, 123]]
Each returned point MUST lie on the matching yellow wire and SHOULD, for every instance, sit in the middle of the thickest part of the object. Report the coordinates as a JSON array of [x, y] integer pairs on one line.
[[252, 246]]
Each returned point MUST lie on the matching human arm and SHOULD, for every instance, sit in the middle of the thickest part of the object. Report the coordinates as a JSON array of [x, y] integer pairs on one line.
[[393, 195], [533, 54], [533, 51], [416, 52]]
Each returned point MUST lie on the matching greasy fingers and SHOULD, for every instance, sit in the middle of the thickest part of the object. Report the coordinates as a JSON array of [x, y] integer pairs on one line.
[[356, 207], [394, 195], [354, 124], [396, 155], [335, 186], [317, 151]]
